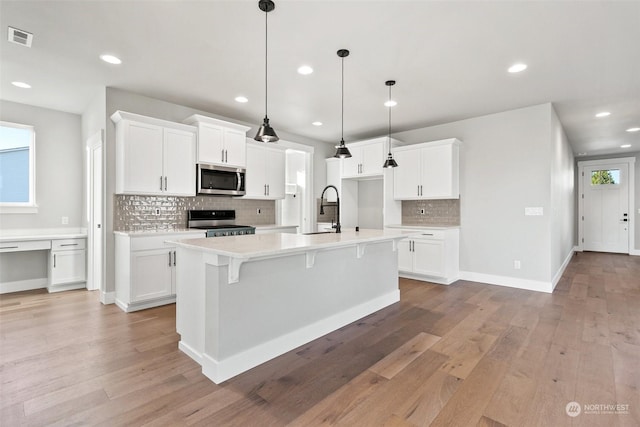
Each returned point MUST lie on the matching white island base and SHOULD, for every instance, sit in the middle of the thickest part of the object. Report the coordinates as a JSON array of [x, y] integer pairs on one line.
[[244, 300]]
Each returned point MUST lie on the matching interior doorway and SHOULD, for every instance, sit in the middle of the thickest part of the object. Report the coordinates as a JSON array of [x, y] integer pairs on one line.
[[297, 208], [95, 202], [606, 204]]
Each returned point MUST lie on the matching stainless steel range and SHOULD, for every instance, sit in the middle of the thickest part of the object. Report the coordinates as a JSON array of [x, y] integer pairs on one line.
[[218, 223]]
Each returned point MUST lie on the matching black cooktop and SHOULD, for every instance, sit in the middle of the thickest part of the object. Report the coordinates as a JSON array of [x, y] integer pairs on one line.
[[215, 227]]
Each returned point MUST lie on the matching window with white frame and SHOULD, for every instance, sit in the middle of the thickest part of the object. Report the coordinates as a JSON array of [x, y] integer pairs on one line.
[[17, 166]]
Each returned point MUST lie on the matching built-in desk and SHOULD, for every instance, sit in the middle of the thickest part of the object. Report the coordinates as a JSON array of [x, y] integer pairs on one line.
[[66, 258]]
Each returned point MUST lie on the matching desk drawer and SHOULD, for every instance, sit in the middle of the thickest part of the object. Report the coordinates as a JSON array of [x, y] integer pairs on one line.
[[29, 245], [68, 244]]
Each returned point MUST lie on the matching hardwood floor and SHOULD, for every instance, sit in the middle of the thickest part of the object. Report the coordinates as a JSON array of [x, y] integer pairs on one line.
[[464, 355]]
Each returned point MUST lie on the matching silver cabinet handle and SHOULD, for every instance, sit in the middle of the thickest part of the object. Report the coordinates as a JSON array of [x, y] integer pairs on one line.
[[165, 183], [222, 156], [427, 234], [54, 260], [160, 183], [70, 244], [169, 258], [9, 247], [174, 258], [265, 189], [418, 190], [226, 156], [268, 190]]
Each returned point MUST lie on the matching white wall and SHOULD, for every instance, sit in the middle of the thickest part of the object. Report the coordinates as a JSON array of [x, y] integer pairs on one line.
[[563, 190], [370, 198], [505, 166], [59, 159]]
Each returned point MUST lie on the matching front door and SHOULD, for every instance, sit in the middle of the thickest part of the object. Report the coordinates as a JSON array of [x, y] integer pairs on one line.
[[605, 213]]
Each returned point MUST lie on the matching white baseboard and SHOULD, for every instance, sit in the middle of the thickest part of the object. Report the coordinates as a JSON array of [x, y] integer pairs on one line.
[[635, 252], [510, 282], [107, 297], [66, 287], [135, 306], [438, 280], [23, 285], [562, 268], [221, 370], [577, 249]]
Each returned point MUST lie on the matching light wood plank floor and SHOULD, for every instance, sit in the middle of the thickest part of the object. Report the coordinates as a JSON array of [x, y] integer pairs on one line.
[[464, 355]]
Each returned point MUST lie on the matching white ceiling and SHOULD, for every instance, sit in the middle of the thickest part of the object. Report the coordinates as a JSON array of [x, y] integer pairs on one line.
[[449, 60]]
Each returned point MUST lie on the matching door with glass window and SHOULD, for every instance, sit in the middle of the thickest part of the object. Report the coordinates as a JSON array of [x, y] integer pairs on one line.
[[605, 213]]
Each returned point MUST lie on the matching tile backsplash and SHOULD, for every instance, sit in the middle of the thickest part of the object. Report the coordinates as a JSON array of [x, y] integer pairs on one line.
[[329, 211], [134, 213], [436, 212]]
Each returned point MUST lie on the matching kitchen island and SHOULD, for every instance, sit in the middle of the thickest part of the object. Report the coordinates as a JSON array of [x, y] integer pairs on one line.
[[243, 300]]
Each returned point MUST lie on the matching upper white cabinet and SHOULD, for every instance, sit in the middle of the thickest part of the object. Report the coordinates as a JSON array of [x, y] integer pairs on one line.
[[427, 171], [367, 158], [220, 142], [153, 156], [265, 176]]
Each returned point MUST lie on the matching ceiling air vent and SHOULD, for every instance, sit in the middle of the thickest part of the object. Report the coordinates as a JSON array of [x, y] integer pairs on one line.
[[20, 37]]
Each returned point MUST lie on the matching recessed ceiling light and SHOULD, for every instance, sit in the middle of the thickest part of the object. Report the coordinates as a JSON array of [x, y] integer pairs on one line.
[[516, 68], [625, 146], [241, 99], [582, 154], [111, 59], [390, 103], [603, 114], [22, 85], [633, 129], [317, 123], [305, 70]]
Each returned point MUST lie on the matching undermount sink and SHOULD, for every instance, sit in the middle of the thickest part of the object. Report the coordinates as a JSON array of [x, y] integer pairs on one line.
[[319, 232]]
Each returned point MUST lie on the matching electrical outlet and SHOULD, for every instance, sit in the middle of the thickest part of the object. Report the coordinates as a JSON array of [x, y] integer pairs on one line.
[[65, 220], [157, 212], [516, 264], [421, 211], [258, 211]]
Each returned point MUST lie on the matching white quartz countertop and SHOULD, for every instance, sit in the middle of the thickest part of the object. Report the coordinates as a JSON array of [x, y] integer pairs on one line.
[[423, 227], [168, 233], [42, 234], [272, 226], [275, 244]]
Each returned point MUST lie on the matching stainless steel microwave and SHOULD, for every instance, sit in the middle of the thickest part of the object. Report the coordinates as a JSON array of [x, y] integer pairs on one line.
[[220, 180]]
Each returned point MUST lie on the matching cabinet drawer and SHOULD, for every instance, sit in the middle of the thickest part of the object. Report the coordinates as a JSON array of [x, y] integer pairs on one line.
[[429, 234], [158, 242], [29, 245], [68, 244]]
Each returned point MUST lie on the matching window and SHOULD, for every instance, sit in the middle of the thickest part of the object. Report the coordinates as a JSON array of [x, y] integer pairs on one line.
[[605, 177], [17, 168]]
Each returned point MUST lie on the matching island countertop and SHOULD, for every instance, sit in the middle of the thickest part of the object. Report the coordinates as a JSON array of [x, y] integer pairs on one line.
[[265, 245]]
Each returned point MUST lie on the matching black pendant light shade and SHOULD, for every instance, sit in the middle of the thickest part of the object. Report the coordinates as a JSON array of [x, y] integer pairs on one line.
[[266, 133], [390, 163], [342, 151]]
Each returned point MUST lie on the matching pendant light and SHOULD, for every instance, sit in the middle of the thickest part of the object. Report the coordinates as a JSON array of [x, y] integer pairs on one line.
[[342, 151], [390, 163], [266, 132]]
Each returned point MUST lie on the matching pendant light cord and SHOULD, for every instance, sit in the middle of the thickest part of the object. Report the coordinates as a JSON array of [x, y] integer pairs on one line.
[[266, 56], [389, 136], [342, 130]]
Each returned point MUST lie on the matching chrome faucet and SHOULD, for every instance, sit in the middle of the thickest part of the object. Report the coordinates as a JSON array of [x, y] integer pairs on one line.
[[337, 206]]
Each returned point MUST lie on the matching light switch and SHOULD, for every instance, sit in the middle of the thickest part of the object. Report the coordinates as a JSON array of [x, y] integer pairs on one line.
[[534, 211]]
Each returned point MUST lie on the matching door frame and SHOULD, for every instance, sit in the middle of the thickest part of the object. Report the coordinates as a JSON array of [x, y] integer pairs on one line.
[[630, 161], [94, 142], [308, 205]]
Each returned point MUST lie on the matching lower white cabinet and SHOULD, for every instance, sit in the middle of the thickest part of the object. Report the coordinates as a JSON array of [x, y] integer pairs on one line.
[[67, 265], [146, 269], [431, 255]]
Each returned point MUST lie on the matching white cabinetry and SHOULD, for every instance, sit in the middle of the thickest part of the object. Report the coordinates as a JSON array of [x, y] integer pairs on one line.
[[265, 176], [427, 171], [220, 142], [367, 158], [154, 157], [67, 265], [146, 270], [430, 254]]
